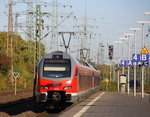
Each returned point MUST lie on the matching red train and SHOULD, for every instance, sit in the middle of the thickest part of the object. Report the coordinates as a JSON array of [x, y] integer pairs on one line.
[[63, 78]]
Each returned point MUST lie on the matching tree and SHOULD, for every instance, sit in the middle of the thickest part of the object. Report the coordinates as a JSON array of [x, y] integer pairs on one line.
[[5, 64]]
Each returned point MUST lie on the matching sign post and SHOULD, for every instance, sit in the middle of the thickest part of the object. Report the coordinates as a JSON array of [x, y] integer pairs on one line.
[[106, 81], [142, 60], [143, 52], [15, 75], [110, 56]]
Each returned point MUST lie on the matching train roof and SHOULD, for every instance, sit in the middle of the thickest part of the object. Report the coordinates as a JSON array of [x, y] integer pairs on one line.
[[68, 56]]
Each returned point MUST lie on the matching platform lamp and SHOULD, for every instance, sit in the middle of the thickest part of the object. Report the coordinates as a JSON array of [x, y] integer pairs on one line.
[[147, 13], [118, 42], [135, 29], [128, 35], [143, 44], [123, 51]]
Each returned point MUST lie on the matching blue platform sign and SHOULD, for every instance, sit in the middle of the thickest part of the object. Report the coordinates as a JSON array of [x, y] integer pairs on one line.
[[137, 60], [145, 64], [130, 63], [126, 63], [140, 57]]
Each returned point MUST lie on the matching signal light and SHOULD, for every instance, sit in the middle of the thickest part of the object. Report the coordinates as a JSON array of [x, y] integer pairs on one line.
[[110, 52]]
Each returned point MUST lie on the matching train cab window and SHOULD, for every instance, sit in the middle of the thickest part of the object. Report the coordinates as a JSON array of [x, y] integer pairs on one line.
[[57, 68]]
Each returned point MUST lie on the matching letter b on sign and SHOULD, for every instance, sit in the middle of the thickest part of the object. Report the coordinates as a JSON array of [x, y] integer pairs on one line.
[[145, 57]]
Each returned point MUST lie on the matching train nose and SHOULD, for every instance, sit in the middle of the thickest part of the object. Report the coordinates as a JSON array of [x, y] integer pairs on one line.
[[56, 84]]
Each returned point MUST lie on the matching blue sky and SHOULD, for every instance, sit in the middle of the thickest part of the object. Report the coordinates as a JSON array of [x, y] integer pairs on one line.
[[114, 17]]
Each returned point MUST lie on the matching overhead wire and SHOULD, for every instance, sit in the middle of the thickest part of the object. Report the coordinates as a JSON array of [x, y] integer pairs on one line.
[[5, 4]]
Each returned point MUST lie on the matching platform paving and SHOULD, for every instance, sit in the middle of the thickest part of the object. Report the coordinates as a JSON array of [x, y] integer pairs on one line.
[[110, 104]]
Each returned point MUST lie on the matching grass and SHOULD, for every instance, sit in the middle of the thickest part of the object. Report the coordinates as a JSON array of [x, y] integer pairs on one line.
[[110, 87]]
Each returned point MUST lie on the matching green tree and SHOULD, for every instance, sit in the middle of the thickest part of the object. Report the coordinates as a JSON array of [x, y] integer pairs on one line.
[[23, 60]]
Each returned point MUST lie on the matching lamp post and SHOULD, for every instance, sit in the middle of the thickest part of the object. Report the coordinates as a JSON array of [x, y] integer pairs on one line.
[[128, 35], [143, 44], [134, 29], [118, 42], [147, 13], [123, 52]]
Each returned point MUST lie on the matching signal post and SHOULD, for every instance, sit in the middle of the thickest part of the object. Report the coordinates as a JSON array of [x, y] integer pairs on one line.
[[110, 56]]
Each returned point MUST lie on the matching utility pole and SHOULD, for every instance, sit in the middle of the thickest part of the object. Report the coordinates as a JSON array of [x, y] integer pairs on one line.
[[10, 38], [39, 24], [29, 22], [55, 24], [98, 54], [84, 42], [55, 15], [85, 35], [101, 46], [16, 23], [38, 29]]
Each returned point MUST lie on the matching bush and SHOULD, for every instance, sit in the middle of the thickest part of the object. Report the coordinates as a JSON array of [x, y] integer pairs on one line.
[[108, 87], [4, 85], [5, 64], [23, 60]]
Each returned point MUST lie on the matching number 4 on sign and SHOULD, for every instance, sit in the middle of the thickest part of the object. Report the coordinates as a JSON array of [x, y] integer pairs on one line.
[[136, 57], [123, 63]]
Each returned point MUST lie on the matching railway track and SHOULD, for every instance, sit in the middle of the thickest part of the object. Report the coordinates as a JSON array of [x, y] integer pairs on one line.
[[8, 96], [28, 107], [20, 101], [18, 107]]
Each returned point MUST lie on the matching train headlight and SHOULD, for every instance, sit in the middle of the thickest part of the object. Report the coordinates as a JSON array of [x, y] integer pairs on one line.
[[44, 87], [68, 82], [68, 88]]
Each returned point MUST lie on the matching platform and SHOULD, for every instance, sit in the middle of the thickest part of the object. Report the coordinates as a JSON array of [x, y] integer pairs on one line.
[[107, 104]]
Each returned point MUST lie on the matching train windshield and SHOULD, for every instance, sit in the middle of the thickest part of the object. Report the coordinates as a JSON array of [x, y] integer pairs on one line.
[[57, 68]]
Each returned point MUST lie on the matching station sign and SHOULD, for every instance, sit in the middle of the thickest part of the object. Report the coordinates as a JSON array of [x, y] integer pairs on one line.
[[126, 63], [140, 57], [137, 60], [130, 63]]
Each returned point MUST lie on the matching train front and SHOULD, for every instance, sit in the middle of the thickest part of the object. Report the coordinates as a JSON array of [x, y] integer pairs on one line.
[[56, 80]]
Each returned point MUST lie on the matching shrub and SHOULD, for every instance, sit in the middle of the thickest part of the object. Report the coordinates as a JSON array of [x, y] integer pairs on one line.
[[5, 64]]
